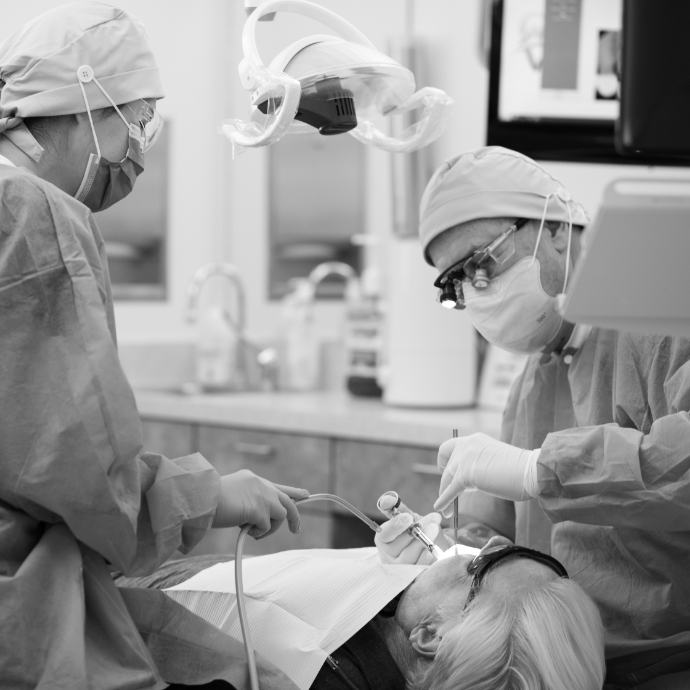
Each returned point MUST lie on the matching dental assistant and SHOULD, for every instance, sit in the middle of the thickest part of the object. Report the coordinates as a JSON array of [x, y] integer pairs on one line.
[[594, 462], [79, 497]]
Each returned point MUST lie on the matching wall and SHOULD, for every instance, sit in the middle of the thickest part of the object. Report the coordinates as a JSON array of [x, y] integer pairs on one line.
[[191, 48], [218, 205], [450, 32], [453, 34]]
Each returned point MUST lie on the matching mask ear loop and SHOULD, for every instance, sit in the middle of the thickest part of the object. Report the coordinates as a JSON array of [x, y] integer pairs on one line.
[[570, 242], [84, 75], [541, 225], [88, 112]]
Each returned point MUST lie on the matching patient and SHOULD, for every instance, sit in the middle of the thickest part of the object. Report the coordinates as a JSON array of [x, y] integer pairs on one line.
[[508, 619]]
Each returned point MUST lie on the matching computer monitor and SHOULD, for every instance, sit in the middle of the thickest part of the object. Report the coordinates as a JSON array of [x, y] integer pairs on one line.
[[654, 112], [634, 272]]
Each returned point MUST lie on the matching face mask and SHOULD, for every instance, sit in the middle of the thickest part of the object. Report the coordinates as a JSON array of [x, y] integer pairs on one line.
[[105, 182], [514, 312]]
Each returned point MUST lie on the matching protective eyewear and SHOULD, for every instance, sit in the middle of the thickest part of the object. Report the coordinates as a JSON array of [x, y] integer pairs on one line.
[[482, 563], [149, 121], [479, 268]]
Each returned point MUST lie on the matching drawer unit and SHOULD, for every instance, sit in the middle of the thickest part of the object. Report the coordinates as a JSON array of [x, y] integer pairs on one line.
[[173, 439], [363, 471], [294, 459]]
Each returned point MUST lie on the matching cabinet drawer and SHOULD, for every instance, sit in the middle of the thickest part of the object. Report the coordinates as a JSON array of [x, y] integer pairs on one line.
[[363, 471], [172, 439], [315, 534], [293, 459]]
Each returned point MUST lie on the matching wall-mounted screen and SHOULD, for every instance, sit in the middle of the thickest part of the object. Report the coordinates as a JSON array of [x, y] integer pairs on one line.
[[554, 78], [655, 88]]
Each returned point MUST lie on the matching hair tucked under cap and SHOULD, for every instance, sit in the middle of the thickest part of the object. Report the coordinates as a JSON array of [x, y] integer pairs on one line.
[[38, 66], [492, 182]]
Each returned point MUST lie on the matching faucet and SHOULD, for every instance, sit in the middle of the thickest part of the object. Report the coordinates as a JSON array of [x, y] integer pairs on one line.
[[256, 366], [227, 271], [329, 268]]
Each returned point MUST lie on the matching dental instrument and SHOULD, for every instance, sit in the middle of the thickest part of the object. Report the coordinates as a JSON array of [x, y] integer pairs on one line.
[[239, 588], [390, 504], [456, 518]]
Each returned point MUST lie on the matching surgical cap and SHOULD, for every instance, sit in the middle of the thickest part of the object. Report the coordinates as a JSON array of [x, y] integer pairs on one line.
[[38, 64], [492, 182]]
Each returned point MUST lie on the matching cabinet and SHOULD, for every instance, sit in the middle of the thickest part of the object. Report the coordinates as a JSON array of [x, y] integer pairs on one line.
[[294, 459], [358, 471], [173, 439], [363, 471]]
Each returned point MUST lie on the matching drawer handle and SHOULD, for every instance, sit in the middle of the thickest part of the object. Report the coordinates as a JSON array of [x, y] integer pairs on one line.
[[423, 468], [262, 450]]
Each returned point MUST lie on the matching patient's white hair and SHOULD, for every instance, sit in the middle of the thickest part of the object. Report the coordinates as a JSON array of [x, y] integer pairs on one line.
[[548, 637]]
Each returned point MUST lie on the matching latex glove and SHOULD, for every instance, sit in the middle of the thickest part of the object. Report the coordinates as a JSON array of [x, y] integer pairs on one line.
[[247, 499], [480, 461], [395, 545]]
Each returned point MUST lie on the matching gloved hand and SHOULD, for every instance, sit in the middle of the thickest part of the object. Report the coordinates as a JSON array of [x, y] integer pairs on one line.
[[395, 545], [482, 462], [247, 499]]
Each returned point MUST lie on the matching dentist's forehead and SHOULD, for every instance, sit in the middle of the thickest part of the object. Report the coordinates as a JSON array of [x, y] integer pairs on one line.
[[461, 240]]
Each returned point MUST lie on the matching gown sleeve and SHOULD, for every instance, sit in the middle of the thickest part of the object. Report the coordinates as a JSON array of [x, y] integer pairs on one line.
[[70, 435], [634, 472]]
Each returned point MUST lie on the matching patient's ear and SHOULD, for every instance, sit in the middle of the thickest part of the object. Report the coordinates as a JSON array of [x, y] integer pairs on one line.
[[425, 639]]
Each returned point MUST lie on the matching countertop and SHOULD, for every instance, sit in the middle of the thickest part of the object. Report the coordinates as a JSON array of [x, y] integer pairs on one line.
[[333, 414]]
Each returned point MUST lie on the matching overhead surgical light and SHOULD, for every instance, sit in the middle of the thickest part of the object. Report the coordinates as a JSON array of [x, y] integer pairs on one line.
[[331, 84]]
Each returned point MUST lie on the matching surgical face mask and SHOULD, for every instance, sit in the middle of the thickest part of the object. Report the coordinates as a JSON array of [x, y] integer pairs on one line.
[[514, 312], [106, 182]]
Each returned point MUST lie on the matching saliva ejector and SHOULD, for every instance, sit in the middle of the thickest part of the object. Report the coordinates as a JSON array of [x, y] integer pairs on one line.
[[390, 504]]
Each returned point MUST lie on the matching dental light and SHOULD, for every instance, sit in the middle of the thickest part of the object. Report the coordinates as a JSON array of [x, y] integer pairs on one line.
[[330, 84]]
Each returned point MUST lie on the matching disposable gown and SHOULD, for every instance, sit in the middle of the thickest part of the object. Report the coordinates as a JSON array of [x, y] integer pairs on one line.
[[78, 496], [614, 487]]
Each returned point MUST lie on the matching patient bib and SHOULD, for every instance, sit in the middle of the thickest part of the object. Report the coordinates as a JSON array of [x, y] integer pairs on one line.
[[301, 605]]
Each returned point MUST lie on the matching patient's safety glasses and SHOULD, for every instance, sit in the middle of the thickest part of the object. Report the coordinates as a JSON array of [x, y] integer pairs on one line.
[[479, 268], [486, 560]]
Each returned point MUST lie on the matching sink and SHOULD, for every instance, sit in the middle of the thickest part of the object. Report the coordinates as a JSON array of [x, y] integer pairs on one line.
[[191, 388], [169, 368]]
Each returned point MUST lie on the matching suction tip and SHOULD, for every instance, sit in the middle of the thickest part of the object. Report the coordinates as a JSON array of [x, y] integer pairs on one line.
[[388, 501]]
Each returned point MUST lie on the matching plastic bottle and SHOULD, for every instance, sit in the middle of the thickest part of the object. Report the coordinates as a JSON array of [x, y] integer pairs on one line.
[[364, 319], [300, 348], [216, 350]]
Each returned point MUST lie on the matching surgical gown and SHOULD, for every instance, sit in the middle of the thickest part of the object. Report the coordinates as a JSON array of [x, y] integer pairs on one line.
[[78, 495], [614, 486]]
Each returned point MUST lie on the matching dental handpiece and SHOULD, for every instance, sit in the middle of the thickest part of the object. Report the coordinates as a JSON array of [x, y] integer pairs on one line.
[[390, 504]]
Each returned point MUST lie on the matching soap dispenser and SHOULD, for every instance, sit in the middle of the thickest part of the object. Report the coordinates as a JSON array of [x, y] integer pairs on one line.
[[300, 347], [216, 350], [363, 335]]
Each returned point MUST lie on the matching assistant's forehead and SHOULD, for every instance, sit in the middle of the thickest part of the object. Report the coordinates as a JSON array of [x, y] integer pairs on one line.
[[460, 240]]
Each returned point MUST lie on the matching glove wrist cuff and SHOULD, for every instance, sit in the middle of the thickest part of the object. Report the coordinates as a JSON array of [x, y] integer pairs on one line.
[[529, 479]]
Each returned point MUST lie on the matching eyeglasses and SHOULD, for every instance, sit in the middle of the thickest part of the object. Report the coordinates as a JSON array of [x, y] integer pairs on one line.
[[486, 560], [479, 267], [149, 120]]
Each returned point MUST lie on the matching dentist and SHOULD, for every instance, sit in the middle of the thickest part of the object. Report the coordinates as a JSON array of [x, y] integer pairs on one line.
[[594, 461]]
